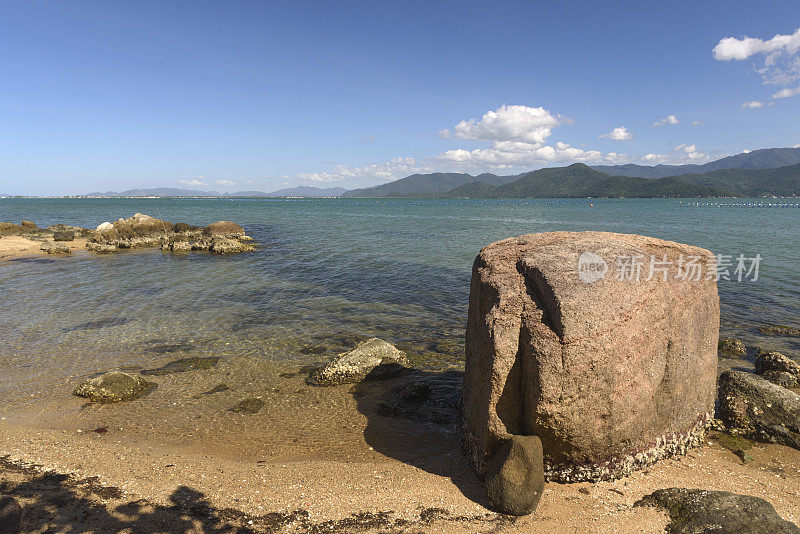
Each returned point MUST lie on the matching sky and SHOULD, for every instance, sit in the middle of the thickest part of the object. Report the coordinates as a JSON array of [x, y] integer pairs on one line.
[[260, 95]]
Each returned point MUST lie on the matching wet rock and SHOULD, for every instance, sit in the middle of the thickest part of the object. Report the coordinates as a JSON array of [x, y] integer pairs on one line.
[[224, 229], [64, 235], [183, 365], [777, 368], [372, 359], [515, 476], [12, 229], [101, 248], [224, 245], [314, 350], [54, 248], [730, 345], [100, 323], [435, 399], [183, 227], [759, 409], [248, 406], [693, 511], [780, 330], [177, 246], [29, 225], [114, 386], [10, 515], [612, 374]]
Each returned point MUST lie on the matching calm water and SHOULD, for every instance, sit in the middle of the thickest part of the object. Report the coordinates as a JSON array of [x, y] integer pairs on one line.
[[329, 271]]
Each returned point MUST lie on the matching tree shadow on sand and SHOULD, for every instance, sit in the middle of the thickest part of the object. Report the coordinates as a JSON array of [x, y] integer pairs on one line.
[[415, 419]]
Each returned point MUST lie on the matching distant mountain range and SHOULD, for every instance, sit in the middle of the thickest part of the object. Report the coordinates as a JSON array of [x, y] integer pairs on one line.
[[765, 158], [427, 184], [767, 172], [301, 191]]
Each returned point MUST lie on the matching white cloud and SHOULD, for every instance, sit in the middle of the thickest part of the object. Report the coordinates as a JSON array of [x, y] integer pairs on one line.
[[787, 92], [669, 119], [780, 64], [225, 182], [690, 154], [195, 182], [753, 104], [508, 123], [386, 171], [368, 139], [698, 123], [620, 133], [731, 48], [655, 158]]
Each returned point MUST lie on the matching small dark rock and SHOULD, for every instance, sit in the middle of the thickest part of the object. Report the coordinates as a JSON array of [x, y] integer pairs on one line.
[[314, 350], [515, 476], [743, 456], [95, 325], [10, 515], [693, 511], [64, 235], [759, 409], [248, 406], [183, 365], [434, 399]]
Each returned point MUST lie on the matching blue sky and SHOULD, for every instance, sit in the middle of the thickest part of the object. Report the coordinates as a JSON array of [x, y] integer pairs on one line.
[[262, 95]]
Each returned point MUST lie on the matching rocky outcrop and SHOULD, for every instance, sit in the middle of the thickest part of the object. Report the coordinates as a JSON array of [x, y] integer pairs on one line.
[[54, 248], [610, 373], [223, 237], [692, 511], [515, 476], [115, 386], [752, 406], [101, 248], [372, 359], [777, 368]]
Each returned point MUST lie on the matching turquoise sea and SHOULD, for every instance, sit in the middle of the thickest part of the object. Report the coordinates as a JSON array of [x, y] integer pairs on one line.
[[327, 272]]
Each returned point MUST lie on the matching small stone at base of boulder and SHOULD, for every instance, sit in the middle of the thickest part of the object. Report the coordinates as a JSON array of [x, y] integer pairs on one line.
[[372, 359], [115, 386], [693, 510], [101, 248], [515, 476], [777, 368], [10, 515]]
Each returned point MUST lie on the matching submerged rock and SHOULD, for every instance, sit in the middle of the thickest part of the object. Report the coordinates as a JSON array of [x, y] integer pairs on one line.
[[372, 359], [759, 409], [732, 345], [183, 365], [780, 330], [224, 245], [611, 372], [435, 399], [248, 406], [54, 248], [100, 323], [114, 386], [692, 511], [101, 248], [777, 368], [515, 476]]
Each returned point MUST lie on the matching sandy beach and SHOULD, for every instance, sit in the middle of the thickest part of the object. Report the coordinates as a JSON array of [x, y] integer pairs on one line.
[[320, 460], [14, 246]]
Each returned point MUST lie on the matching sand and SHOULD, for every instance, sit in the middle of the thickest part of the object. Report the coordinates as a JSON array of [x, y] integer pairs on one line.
[[386, 493], [14, 246]]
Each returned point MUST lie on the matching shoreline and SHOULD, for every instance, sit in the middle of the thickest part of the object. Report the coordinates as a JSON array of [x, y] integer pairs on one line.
[[15, 247]]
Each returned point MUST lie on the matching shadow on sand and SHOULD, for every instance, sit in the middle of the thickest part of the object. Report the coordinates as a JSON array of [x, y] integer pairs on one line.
[[414, 419]]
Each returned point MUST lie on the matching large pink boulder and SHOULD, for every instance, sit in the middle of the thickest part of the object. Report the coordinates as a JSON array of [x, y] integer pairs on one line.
[[564, 342]]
